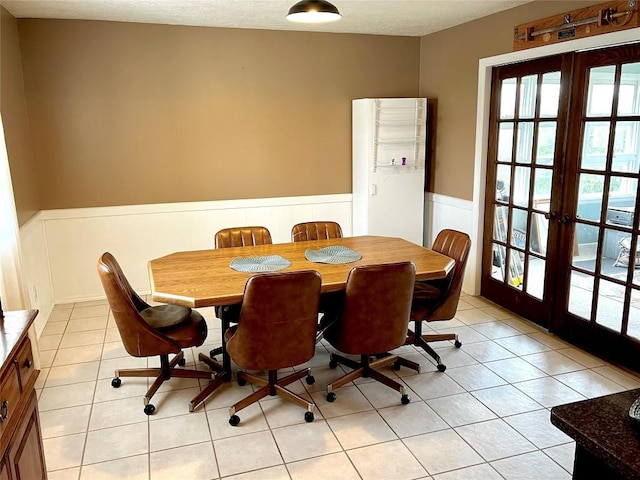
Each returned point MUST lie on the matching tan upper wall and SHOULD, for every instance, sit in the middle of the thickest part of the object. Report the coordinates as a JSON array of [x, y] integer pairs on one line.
[[126, 113], [132, 113], [449, 78], [16, 121]]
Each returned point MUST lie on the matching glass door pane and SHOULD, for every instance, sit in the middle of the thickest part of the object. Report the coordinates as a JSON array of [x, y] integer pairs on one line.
[[603, 291], [523, 162]]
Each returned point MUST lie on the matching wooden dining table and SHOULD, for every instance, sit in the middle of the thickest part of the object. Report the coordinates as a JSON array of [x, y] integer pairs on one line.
[[204, 278]]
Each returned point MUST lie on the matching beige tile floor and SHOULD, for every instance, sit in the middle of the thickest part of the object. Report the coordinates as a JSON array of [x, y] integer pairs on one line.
[[486, 417]]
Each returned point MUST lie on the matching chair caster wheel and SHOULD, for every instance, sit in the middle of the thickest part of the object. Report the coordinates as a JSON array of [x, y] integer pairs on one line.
[[182, 362], [441, 367], [149, 409], [396, 365], [405, 399], [333, 363], [331, 397], [310, 381], [234, 420], [242, 382], [308, 417], [458, 343], [116, 382]]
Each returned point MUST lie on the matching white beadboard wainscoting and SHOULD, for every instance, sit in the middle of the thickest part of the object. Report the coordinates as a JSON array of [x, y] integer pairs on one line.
[[35, 263], [60, 248], [443, 212]]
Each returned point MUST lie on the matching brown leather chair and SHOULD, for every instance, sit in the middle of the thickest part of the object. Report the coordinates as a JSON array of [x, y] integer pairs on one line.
[[438, 300], [149, 331], [303, 232], [276, 330], [330, 303], [374, 319], [242, 236], [236, 237]]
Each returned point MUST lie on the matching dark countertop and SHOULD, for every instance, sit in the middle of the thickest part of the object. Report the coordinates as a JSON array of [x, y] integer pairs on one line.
[[602, 427]]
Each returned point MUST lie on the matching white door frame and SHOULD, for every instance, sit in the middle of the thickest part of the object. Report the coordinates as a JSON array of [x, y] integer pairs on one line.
[[482, 125]]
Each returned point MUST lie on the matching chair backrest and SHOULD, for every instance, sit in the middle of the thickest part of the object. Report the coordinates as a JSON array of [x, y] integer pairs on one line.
[[109, 260], [456, 245], [139, 339], [278, 321], [242, 236], [315, 231], [377, 304]]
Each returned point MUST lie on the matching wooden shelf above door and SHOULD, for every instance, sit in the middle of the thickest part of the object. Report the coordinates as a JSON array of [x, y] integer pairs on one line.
[[595, 20]]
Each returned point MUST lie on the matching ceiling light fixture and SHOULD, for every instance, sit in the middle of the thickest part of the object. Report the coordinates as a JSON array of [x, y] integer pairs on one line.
[[313, 11]]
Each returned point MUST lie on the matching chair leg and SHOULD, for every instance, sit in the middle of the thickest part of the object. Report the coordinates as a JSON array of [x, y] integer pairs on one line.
[[335, 359], [289, 395], [406, 363], [138, 372], [358, 371], [251, 399], [289, 379], [206, 392], [176, 360], [376, 375], [244, 377], [401, 362], [272, 386], [166, 371], [212, 364], [379, 363], [152, 390], [179, 373], [371, 369], [410, 338], [366, 368], [219, 379], [420, 340], [292, 397], [439, 337], [349, 377]]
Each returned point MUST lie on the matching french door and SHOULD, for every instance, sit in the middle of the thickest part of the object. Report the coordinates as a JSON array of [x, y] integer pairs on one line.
[[524, 185], [562, 203]]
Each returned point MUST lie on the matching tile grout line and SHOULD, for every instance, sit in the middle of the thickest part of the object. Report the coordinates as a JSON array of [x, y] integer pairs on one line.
[[358, 386]]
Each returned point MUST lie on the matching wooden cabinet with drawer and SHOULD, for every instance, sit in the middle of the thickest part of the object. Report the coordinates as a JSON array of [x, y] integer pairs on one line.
[[21, 450], [9, 398], [4, 469]]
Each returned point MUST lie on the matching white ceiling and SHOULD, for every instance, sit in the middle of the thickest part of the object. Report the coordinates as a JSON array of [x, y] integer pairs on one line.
[[390, 17]]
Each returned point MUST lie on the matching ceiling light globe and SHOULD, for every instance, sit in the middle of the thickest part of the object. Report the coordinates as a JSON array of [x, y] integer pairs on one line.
[[313, 11]]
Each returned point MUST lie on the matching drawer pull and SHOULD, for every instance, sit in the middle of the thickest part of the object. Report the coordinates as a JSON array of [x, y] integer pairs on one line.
[[4, 411], [27, 363]]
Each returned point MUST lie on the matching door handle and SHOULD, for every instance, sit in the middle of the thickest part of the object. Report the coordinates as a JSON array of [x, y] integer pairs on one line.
[[562, 219], [4, 411]]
